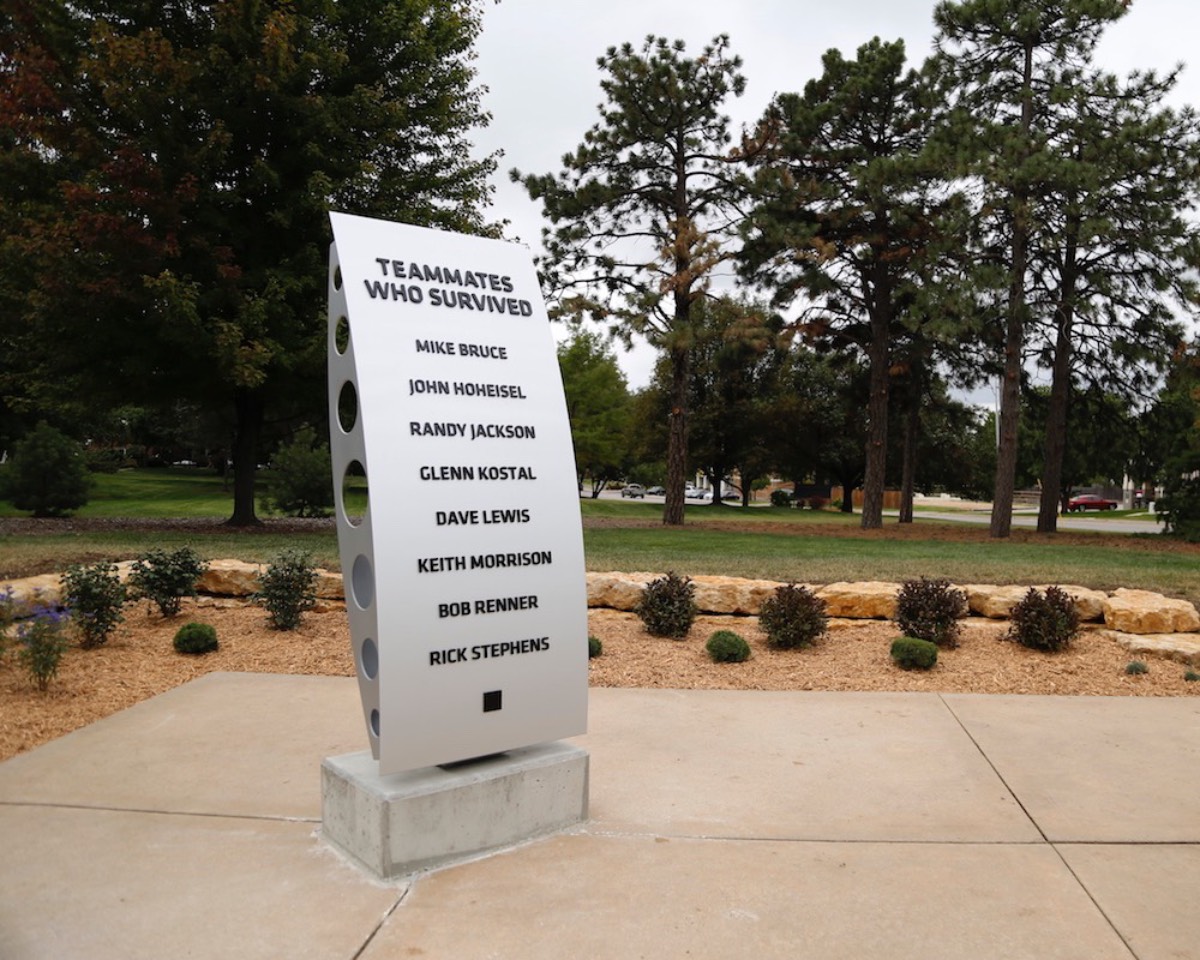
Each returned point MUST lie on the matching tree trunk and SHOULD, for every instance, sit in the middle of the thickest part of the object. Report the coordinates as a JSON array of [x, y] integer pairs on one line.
[[1060, 388], [877, 405], [249, 407], [1056, 427], [908, 472], [677, 438], [1014, 335]]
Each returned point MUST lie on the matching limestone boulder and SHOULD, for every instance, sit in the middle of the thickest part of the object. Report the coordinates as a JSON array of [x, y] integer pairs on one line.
[[31, 592], [981, 629], [996, 602], [1143, 612], [617, 591], [230, 578], [1184, 647], [732, 595], [1089, 604], [868, 600], [330, 585]]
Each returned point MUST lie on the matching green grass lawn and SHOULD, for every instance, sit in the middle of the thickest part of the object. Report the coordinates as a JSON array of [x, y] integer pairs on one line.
[[758, 542]]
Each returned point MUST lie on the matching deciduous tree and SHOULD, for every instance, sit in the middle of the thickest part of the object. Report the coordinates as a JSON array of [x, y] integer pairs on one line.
[[598, 407], [176, 164]]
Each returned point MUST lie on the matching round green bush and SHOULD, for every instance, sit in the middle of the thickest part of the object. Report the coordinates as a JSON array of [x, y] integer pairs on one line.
[[725, 646], [793, 616], [595, 647], [195, 638], [48, 473], [667, 607], [1135, 667], [913, 653]]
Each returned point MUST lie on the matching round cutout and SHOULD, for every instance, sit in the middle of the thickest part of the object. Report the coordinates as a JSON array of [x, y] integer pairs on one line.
[[355, 494], [369, 659], [347, 408], [362, 582], [337, 277], [375, 723], [341, 335]]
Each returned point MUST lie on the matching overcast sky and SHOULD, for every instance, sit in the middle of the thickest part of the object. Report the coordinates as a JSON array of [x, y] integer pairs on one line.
[[538, 60]]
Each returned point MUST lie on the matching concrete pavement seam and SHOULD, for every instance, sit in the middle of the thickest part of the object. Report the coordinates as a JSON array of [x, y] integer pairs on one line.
[[988, 760], [382, 920], [164, 813], [1053, 846]]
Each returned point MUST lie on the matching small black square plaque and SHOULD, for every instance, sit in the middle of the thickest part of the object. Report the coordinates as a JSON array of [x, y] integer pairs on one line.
[[491, 700]]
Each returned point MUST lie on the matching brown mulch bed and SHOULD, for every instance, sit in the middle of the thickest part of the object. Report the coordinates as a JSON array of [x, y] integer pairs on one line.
[[139, 662]]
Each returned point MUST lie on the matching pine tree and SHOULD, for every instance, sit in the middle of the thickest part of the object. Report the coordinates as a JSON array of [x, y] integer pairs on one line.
[[644, 209], [845, 215], [1011, 63]]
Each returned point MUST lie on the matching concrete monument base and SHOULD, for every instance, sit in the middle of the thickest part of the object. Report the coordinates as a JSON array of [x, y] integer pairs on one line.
[[407, 822]]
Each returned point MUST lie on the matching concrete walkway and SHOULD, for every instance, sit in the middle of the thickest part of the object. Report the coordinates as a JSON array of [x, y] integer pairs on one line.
[[724, 824]]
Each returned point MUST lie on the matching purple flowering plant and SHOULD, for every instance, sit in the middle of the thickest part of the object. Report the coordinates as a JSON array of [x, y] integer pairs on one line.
[[41, 643]]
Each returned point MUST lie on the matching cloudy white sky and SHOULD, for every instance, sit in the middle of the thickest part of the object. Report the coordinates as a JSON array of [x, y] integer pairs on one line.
[[538, 60]]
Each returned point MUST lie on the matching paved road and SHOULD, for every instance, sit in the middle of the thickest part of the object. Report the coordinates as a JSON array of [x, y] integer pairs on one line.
[[1078, 522], [1021, 518]]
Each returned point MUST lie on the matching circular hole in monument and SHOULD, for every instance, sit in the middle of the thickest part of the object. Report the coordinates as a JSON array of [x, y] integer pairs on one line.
[[362, 582], [337, 277], [347, 409], [370, 659], [341, 335], [355, 498], [375, 723]]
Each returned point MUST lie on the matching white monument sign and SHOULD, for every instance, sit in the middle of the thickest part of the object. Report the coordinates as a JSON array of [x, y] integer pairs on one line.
[[465, 583]]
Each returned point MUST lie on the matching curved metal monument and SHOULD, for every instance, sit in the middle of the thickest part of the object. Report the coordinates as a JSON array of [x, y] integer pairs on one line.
[[465, 584]]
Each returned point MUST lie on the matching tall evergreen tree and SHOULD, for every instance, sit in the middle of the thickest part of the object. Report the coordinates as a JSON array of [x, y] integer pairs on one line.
[[644, 209], [1110, 261], [177, 163], [844, 215], [1011, 63]]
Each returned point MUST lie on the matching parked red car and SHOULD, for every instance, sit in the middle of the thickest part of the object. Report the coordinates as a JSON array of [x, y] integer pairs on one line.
[[1089, 501]]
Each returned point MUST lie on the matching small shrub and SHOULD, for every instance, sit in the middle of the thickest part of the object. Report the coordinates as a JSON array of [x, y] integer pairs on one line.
[[913, 653], [94, 594], [41, 644], [793, 616], [1136, 667], [930, 610], [595, 647], [1044, 621], [667, 607], [166, 578], [781, 498], [300, 481], [817, 503], [47, 474], [725, 646], [288, 589], [1191, 676], [196, 638]]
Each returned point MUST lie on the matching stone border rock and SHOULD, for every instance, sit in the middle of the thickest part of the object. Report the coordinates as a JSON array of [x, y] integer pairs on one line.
[[1142, 621]]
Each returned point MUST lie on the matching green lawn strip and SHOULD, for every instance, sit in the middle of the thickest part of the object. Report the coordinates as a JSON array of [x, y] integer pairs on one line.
[[46, 553], [827, 559]]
